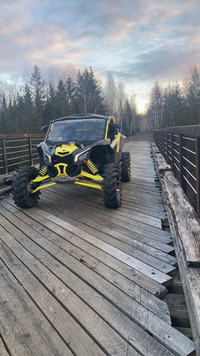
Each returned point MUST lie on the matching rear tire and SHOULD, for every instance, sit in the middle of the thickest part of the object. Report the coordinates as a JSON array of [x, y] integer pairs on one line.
[[22, 187], [126, 167], [112, 186]]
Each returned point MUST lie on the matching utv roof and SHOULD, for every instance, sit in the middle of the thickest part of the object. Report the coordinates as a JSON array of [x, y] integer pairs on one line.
[[83, 116]]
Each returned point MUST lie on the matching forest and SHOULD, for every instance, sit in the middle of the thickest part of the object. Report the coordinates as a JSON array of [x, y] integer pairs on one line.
[[32, 103], [26, 107], [176, 104]]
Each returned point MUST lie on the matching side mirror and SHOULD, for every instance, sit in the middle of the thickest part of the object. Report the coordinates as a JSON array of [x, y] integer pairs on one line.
[[115, 128], [44, 128]]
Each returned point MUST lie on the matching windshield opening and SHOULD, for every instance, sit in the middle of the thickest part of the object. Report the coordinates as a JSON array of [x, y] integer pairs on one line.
[[83, 131]]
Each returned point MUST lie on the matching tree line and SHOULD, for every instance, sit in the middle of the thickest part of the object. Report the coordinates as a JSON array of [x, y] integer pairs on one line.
[[36, 102], [175, 104]]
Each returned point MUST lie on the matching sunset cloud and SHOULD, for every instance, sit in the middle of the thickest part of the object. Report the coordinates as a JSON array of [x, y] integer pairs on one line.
[[138, 41]]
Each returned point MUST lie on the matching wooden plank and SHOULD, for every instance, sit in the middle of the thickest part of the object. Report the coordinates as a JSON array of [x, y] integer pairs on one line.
[[84, 262], [100, 263], [145, 197], [130, 231], [138, 265], [111, 216], [168, 336], [189, 276], [24, 327], [121, 213], [140, 298], [58, 310], [133, 187], [96, 245], [6, 177], [139, 207], [98, 228], [93, 323], [132, 198], [5, 189], [193, 276], [187, 222], [113, 237], [3, 350]]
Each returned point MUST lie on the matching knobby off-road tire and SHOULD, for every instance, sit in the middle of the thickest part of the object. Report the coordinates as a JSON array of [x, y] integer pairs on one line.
[[125, 167], [22, 187], [112, 186]]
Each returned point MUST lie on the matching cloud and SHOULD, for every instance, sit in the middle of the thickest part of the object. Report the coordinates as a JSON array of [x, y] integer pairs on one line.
[[138, 41]]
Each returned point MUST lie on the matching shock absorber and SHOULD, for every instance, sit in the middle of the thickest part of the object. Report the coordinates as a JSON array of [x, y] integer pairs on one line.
[[91, 166], [43, 170]]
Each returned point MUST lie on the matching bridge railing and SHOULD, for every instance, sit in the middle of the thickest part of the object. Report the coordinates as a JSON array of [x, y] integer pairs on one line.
[[180, 146], [18, 150]]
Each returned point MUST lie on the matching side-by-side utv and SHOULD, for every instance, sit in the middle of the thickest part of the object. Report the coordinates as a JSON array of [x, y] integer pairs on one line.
[[81, 149]]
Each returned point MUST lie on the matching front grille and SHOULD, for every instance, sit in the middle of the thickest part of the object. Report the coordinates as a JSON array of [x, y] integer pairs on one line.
[[65, 159]]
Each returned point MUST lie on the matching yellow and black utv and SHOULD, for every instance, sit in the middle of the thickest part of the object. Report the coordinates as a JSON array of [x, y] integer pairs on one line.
[[83, 149]]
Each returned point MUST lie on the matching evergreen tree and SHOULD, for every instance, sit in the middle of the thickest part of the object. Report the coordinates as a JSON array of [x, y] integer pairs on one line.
[[121, 98], [61, 104], [20, 113], [88, 97], [126, 118], [156, 107], [110, 95], [29, 111], [3, 115], [50, 112], [37, 86], [193, 97], [70, 95]]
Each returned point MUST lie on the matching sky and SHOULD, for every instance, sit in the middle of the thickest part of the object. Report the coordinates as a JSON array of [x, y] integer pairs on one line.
[[138, 41]]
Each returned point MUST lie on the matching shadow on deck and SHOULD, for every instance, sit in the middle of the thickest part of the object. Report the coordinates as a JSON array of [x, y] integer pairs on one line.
[[78, 279]]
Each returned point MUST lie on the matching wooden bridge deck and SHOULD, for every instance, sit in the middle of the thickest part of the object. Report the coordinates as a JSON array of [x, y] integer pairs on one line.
[[78, 279]]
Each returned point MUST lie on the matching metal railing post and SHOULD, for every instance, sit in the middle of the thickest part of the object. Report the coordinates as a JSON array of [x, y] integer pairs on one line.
[[197, 150], [172, 153], [167, 148], [182, 180], [4, 155], [30, 151]]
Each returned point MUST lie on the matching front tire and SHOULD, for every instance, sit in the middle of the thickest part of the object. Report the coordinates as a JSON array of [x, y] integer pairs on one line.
[[126, 167], [22, 187], [112, 186]]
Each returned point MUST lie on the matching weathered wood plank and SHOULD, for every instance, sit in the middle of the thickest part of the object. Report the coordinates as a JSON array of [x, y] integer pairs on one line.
[[93, 323], [135, 187], [188, 225], [57, 310], [113, 236], [174, 340], [100, 263], [190, 276], [113, 217], [112, 251], [25, 329], [122, 214], [187, 222], [98, 228], [139, 207], [3, 350], [97, 246], [81, 266], [193, 276], [131, 231]]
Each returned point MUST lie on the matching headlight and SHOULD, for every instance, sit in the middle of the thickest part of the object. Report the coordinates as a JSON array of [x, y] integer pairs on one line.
[[82, 155], [48, 157]]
